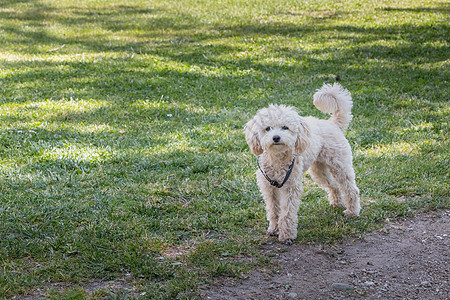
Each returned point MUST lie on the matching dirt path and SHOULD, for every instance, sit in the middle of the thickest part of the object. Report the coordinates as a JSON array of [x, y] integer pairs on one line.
[[408, 260]]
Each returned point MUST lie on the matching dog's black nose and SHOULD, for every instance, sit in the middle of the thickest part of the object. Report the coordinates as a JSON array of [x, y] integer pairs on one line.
[[276, 138]]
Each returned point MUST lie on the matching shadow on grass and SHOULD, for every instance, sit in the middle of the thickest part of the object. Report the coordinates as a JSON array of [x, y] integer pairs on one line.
[[201, 46], [100, 205], [441, 8]]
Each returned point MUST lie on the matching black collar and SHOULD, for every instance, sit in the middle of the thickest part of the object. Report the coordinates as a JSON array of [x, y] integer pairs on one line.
[[274, 182]]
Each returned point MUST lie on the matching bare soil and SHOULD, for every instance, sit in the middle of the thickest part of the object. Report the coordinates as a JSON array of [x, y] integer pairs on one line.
[[406, 260]]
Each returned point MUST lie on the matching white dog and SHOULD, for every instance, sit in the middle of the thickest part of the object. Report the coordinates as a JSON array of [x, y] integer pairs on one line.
[[287, 145]]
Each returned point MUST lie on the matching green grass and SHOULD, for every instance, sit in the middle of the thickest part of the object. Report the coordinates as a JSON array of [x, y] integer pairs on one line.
[[122, 157]]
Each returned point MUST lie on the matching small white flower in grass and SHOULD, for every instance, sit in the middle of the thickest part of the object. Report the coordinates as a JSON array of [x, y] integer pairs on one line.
[[169, 115]]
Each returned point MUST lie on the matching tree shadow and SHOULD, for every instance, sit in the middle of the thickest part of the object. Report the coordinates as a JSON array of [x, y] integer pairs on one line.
[[247, 82], [196, 44], [197, 74], [442, 8]]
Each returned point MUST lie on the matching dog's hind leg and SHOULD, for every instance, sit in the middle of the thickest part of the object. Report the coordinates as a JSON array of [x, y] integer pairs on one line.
[[345, 176], [321, 174]]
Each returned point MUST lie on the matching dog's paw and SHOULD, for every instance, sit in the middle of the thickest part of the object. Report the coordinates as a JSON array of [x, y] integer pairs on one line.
[[336, 201], [288, 242], [337, 204], [350, 214], [272, 231]]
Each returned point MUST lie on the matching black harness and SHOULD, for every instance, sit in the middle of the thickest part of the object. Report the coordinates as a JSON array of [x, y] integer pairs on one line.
[[274, 182]]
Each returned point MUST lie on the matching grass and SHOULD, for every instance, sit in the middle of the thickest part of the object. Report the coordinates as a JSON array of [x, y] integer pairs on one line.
[[123, 164]]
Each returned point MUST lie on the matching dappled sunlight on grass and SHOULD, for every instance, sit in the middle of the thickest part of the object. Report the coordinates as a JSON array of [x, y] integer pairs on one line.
[[165, 105], [419, 127], [76, 153], [129, 139], [65, 106], [390, 150], [67, 115]]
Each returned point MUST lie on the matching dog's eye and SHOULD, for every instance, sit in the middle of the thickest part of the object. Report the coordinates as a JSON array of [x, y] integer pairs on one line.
[[285, 128], [267, 128]]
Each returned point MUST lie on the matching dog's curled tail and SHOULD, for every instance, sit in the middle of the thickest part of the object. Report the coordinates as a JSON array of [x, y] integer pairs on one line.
[[337, 101]]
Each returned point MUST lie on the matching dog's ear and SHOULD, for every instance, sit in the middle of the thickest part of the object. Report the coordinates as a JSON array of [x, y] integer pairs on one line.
[[303, 136], [252, 137]]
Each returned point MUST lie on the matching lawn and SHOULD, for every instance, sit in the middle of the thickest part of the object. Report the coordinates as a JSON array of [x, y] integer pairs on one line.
[[124, 170]]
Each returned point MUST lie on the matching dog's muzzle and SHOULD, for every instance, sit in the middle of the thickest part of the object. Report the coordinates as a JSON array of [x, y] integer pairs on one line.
[[276, 139]]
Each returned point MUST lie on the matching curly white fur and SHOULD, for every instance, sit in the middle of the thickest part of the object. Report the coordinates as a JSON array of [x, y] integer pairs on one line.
[[277, 134]]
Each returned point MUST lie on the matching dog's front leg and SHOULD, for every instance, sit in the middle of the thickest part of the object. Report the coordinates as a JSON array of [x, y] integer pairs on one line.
[[270, 197], [288, 219], [272, 209]]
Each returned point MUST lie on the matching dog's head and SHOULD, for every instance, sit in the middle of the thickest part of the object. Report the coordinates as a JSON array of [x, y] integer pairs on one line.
[[277, 128]]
